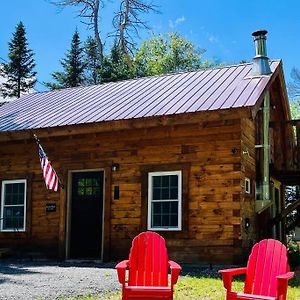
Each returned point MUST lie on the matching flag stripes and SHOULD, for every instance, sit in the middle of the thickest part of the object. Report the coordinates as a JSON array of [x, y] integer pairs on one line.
[[50, 176]]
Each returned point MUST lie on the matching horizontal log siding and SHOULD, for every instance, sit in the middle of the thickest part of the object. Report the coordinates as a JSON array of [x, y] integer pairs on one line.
[[212, 150], [248, 169]]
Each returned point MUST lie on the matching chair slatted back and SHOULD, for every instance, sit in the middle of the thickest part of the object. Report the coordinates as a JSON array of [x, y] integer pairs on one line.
[[148, 261], [267, 260]]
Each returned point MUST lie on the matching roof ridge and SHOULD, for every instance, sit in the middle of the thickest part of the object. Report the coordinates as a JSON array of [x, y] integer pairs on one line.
[[150, 76]]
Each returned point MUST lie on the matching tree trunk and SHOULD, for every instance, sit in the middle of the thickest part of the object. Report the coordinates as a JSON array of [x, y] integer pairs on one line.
[[96, 31], [19, 87]]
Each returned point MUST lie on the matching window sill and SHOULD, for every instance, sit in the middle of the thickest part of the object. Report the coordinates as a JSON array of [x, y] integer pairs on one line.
[[164, 229], [12, 231]]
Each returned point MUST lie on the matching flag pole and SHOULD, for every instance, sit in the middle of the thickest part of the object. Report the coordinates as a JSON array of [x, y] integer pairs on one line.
[[36, 139], [38, 143]]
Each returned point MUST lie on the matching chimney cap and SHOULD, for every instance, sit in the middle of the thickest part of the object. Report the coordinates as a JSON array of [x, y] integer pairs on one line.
[[259, 32]]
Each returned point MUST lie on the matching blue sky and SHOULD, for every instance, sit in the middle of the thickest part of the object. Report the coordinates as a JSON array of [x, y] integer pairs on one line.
[[223, 28]]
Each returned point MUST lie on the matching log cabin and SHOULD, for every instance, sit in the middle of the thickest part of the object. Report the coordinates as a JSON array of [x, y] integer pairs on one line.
[[200, 157]]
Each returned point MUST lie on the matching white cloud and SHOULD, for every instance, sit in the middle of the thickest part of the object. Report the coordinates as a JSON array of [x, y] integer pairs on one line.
[[209, 36], [178, 21], [215, 41], [171, 24], [212, 38]]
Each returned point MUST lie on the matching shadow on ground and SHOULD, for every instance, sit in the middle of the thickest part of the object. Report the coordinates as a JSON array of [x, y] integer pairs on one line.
[[211, 271]]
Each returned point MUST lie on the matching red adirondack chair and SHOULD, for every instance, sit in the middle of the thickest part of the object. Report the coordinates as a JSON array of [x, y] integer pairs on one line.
[[267, 273], [148, 267]]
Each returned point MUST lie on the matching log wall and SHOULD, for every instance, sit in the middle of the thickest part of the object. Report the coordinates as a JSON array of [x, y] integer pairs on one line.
[[210, 153], [248, 170]]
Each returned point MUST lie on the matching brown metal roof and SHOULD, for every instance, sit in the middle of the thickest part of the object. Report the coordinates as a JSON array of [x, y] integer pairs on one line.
[[211, 89]]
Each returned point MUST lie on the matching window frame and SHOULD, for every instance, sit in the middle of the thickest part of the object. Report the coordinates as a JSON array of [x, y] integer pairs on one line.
[[150, 200], [3, 183]]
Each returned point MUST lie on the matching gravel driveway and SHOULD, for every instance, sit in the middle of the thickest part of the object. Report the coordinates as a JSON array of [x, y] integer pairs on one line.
[[49, 280]]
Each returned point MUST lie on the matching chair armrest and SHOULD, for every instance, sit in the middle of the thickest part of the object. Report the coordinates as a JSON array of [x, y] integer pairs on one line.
[[121, 269], [228, 274], [286, 276], [175, 270], [282, 285]]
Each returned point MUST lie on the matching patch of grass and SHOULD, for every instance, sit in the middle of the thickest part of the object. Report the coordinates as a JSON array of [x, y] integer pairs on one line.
[[294, 288], [193, 288], [200, 288]]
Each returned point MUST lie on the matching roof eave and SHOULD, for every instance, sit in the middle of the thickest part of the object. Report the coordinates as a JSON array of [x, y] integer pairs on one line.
[[106, 126]]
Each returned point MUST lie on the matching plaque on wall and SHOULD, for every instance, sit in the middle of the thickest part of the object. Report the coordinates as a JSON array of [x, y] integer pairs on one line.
[[50, 207]]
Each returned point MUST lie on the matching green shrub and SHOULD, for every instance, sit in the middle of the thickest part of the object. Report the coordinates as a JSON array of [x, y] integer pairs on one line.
[[294, 254]]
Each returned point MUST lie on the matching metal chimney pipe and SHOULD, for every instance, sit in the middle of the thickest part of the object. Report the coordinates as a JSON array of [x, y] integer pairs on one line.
[[260, 61]]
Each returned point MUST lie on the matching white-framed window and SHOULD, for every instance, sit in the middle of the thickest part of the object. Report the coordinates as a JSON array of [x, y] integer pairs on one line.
[[165, 200], [13, 205]]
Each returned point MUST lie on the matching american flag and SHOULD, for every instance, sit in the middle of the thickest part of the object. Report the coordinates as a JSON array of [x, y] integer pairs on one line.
[[50, 176]]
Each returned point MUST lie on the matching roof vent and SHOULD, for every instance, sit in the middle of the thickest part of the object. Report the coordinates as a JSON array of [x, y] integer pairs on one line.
[[260, 61]]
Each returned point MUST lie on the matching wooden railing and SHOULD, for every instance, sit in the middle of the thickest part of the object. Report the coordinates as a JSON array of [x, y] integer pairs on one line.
[[285, 212], [291, 142]]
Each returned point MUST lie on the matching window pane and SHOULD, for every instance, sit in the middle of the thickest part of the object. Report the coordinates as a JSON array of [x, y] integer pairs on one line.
[[173, 193], [80, 191], [156, 214], [157, 208], [95, 182], [165, 187], [156, 221], [96, 191], [166, 208], [156, 181], [165, 181], [13, 218], [88, 181], [156, 194], [20, 187], [8, 188], [81, 182], [174, 208], [88, 191], [88, 187], [14, 193], [165, 193], [174, 180], [174, 221], [165, 214], [8, 199], [165, 221]]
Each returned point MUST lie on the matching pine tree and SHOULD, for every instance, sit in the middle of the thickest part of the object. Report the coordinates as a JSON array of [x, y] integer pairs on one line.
[[116, 66], [92, 61], [18, 72], [73, 65]]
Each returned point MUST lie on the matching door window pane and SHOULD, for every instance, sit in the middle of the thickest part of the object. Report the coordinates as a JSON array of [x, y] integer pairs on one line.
[[88, 187]]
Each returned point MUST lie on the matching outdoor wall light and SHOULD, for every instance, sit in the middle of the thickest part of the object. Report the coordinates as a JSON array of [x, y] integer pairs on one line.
[[115, 167], [234, 151], [247, 223]]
